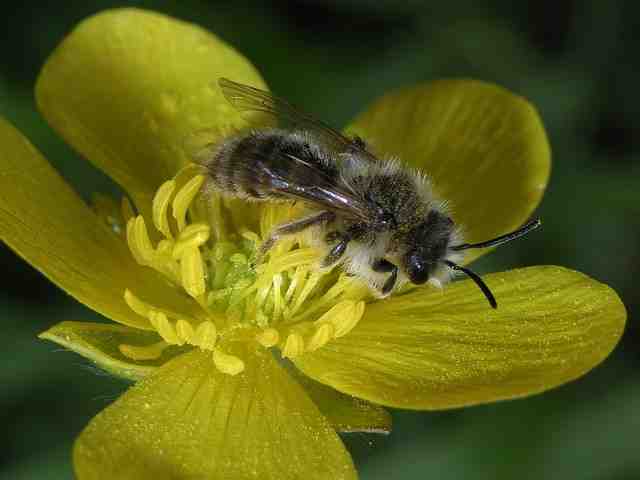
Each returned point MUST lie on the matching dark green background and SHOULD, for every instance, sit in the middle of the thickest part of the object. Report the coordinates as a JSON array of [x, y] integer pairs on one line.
[[577, 61]]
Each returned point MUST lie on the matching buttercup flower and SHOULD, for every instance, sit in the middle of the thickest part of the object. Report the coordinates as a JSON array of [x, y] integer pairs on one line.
[[248, 372]]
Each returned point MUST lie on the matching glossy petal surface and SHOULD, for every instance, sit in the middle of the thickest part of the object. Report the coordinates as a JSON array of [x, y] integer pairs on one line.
[[191, 421], [484, 148], [49, 225], [450, 349], [127, 88], [344, 412], [101, 343]]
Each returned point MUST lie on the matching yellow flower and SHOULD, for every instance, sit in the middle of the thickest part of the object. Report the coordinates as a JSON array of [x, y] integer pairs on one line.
[[201, 332]]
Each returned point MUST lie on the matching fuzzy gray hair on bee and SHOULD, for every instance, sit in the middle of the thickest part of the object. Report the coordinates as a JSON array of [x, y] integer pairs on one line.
[[376, 217]]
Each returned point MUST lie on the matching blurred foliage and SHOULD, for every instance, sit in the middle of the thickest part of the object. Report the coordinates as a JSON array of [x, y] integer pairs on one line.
[[576, 61]]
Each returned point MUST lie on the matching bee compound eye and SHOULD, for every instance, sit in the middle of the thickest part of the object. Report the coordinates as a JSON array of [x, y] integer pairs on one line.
[[417, 269]]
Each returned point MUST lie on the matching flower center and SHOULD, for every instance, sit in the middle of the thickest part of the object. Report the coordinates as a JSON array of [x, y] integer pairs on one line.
[[206, 246]]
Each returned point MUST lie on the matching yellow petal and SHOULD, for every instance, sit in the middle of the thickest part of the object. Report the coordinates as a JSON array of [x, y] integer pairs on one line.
[[449, 349], [344, 412], [49, 225], [191, 421], [102, 344], [484, 148], [127, 87]]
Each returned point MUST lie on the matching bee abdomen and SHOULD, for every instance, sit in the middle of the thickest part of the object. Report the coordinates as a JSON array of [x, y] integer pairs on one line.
[[235, 167], [262, 165]]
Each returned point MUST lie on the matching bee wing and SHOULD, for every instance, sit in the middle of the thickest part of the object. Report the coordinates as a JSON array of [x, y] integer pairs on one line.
[[297, 179], [250, 99], [326, 193]]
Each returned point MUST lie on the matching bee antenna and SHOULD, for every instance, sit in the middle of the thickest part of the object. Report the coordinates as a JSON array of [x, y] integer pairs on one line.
[[478, 281], [526, 228]]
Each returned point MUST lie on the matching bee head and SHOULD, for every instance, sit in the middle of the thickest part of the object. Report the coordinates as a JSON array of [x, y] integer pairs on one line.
[[428, 243]]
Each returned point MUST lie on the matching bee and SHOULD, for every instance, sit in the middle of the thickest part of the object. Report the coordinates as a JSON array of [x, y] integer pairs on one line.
[[375, 217]]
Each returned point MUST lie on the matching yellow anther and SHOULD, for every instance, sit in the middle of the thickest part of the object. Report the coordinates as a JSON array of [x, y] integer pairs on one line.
[[183, 199], [268, 337], [192, 236], [337, 311], [229, 364], [138, 240], [160, 207], [192, 270], [130, 241], [294, 346], [165, 248], [206, 336], [164, 328], [149, 352], [184, 331], [345, 322], [323, 334], [135, 304]]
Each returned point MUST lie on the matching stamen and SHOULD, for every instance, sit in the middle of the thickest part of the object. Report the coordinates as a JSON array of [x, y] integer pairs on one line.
[[183, 199], [297, 279], [294, 346], [277, 297], [268, 337], [344, 317], [205, 336], [192, 270], [164, 328], [139, 242], [323, 334], [229, 364], [193, 236], [306, 290], [184, 331], [287, 261], [137, 305], [160, 207]]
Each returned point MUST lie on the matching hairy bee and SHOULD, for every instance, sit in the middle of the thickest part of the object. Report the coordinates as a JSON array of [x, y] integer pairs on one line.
[[376, 217]]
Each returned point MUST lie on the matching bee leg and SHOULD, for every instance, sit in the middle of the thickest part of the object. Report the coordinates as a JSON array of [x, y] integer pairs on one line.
[[337, 251], [332, 237], [292, 228], [382, 265]]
